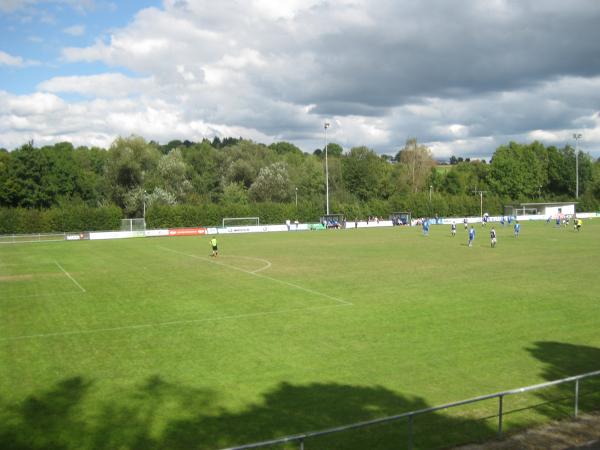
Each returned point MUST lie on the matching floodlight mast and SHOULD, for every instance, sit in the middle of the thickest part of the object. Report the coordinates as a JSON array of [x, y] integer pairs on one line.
[[577, 136], [327, 125]]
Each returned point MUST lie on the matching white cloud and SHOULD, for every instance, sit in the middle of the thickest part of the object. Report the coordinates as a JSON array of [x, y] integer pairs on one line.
[[31, 105], [463, 79], [75, 30], [9, 60], [13, 5], [15, 61], [102, 85]]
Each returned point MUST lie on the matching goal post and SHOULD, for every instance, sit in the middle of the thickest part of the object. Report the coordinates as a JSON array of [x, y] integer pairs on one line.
[[240, 221], [133, 225]]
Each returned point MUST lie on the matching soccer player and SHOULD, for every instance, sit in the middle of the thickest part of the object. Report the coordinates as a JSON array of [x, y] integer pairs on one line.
[[517, 228], [493, 237], [425, 227], [465, 221], [215, 249], [453, 229], [579, 224], [471, 236]]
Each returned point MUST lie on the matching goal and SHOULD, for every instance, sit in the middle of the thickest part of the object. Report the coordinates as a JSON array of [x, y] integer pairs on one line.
[[133, 224], [240, 221]]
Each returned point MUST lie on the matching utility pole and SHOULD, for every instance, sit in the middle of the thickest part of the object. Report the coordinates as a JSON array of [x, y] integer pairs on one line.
[[327, 125], [577, 136], [475, 191], [144, 211]]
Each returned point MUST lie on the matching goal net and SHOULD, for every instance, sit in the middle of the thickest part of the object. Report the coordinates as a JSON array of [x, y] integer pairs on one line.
[[240, 221], [133, 225]]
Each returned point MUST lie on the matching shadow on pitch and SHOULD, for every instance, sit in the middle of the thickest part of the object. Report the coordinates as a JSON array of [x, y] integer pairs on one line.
[[562, 361], [157, 414], [162, 415]]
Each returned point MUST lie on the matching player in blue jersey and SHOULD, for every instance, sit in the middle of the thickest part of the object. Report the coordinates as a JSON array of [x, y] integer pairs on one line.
[[425, 227], [517, 228], [471, 236]]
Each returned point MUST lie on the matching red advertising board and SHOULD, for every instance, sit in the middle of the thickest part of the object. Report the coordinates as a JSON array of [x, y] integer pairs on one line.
[[186, 231]]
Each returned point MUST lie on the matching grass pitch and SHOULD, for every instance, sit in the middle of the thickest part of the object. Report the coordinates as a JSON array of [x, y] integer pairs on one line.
[[150, 343]]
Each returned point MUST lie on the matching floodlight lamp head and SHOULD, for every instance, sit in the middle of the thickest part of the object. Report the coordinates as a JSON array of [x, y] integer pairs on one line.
[[576, 136], [327, 125]]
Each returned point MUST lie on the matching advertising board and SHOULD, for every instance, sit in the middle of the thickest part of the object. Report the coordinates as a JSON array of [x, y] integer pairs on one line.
[[77, 236], [187, 231]]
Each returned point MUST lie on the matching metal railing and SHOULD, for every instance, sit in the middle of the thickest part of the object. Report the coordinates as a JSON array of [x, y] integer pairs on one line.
[[301, 438], [34, 237]]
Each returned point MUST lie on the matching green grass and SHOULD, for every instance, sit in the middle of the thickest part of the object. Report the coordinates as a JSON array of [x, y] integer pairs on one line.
[[152, 344], [443, 169]]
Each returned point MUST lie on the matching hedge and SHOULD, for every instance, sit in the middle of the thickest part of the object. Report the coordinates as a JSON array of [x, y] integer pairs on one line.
[[78, 217], [64, 219]]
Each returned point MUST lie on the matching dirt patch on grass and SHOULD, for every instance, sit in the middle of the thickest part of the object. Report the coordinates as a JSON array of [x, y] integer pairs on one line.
[[28, 276], [580, 434]]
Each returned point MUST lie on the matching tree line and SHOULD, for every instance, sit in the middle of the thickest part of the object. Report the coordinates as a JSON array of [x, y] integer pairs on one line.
[[237, 174]]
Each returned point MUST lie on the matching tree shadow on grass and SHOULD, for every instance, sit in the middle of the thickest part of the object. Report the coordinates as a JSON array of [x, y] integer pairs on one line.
[[162, 415], [562, 361], [50, 420], [157, 414]]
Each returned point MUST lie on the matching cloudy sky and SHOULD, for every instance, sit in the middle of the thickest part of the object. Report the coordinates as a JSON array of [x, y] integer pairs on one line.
[[461, 76]]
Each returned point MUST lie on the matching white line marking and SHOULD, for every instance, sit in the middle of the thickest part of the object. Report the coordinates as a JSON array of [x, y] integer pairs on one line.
[[266, 261], [214, 261], [70, 277], [47, 294], [162, 324]]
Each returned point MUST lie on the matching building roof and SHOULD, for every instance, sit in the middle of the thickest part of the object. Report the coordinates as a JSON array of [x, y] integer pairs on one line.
[[542, 204]]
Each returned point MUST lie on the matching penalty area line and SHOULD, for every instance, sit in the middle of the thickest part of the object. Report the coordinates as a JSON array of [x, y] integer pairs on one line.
[[260, 275], [165, 324], [70, 277]]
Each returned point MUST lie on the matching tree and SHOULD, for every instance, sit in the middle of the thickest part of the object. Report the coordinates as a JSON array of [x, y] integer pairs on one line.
[[334, 149], [516, 171], [362, 172], [173, 172], [272, 184], [234, 194], [129, 162], [417, 161], [283, 148], [452, 184], [243, 161], [40, 178], [206, 167], [309, 177]]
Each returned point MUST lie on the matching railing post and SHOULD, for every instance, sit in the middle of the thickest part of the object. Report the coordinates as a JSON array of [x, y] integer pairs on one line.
[[576, 397], [302, 444], [500, 415], [410, 432]]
